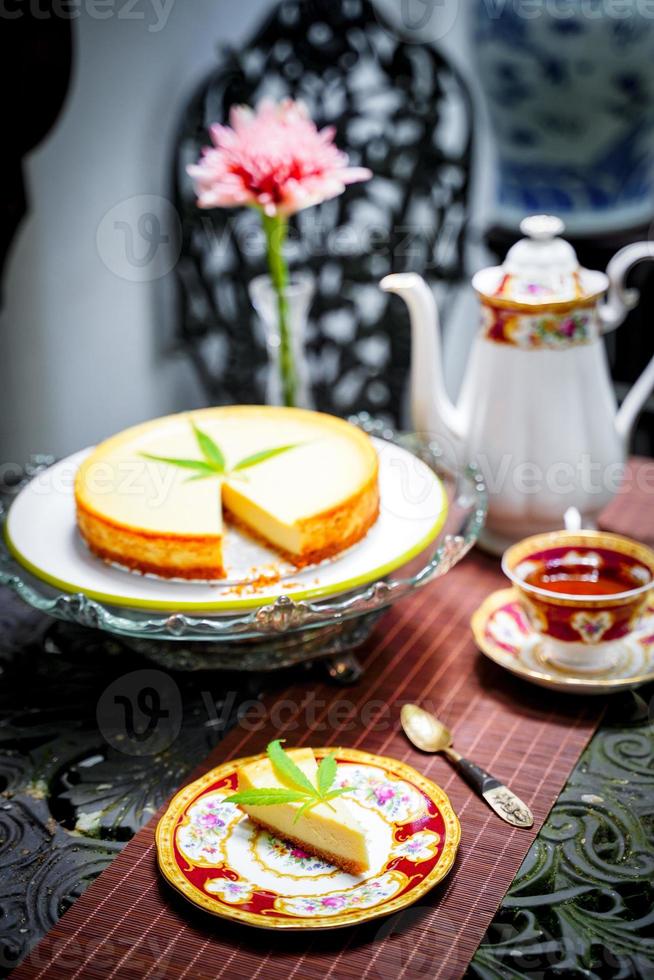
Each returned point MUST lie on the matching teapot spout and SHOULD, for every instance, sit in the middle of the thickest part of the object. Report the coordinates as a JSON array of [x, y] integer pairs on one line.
[[432, 411]]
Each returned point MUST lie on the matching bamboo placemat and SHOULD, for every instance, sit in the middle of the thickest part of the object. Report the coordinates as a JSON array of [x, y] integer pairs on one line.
[[129, 924], [631, 512]]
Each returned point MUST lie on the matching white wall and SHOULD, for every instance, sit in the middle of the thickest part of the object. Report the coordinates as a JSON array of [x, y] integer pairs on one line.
[[85, 350]]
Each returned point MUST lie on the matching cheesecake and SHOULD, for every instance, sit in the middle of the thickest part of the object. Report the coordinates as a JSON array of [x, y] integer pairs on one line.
[[157, 497], [329, 831]]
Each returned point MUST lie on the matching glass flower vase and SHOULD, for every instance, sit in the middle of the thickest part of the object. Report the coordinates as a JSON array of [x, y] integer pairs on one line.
[[288, 377]]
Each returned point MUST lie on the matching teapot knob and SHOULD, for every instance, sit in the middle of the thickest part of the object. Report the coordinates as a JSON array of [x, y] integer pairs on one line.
[[542, 226]]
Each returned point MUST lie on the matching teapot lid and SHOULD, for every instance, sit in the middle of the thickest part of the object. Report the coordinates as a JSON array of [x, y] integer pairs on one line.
[[541, 269]]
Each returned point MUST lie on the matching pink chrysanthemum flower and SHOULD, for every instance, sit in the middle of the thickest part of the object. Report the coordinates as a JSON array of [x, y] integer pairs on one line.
[[274, 158]]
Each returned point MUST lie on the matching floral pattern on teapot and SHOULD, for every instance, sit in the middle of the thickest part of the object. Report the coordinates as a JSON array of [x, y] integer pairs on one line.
[[551, 412], [545, 329]]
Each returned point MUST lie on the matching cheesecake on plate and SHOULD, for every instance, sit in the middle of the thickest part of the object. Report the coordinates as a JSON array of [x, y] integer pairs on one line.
[[329, 831], [156, 498]]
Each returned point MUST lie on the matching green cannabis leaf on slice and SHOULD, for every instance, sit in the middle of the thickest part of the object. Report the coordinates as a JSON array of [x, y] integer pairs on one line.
[[287, 770], [188, 464], [211, 452], [214, 463], [300, 788], [265, 797], [245, 464]]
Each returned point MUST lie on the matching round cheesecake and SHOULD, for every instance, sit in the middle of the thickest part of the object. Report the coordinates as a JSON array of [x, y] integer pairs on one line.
[[155, 498]]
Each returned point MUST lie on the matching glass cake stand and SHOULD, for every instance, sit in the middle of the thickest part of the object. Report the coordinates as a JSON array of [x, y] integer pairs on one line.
[[285, 631]]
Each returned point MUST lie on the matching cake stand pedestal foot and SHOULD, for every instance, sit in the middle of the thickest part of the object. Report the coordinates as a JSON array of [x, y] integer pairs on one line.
[[344, 669], [333, 644]]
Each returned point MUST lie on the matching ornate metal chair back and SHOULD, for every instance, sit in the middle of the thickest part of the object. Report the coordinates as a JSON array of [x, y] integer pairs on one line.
[[398, 108]]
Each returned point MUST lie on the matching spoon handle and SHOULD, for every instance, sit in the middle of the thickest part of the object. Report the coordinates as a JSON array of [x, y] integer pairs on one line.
[[499, 797]]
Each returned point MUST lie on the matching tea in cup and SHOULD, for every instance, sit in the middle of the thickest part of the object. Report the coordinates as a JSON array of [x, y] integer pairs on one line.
[[583, 591]]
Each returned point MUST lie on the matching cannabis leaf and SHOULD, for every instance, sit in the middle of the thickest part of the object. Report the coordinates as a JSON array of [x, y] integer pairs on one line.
[[326, 773], [211, 452], [287, 770], [214, 463], [266, 797], [301, 789], [304, 809], [190, 464], [244, 464], [201, 475]]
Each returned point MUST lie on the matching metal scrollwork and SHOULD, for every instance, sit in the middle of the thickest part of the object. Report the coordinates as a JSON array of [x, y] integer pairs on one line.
[[73, 787], [582, 904]]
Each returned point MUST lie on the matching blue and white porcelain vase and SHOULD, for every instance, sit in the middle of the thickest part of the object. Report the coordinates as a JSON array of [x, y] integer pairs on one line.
[[570, 93]]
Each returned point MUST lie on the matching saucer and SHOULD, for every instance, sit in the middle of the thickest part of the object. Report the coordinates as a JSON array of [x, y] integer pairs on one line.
[[221, 861], [503, 633]]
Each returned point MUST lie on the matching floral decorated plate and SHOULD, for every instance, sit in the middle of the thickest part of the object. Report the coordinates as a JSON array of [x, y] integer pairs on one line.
[[503, 633], [217, 858]]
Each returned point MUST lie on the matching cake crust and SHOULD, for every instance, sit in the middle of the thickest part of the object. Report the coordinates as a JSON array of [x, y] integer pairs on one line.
[[191, 557], [350, 866], [149, 552]]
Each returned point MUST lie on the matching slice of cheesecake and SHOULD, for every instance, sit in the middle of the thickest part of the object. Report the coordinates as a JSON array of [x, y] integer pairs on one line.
[[329, 831]]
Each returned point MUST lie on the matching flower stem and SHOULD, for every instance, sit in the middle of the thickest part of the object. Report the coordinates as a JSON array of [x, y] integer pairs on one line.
[[276, 228]]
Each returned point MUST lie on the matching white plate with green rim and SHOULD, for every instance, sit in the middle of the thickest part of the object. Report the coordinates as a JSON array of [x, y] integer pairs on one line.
[[42, 536]]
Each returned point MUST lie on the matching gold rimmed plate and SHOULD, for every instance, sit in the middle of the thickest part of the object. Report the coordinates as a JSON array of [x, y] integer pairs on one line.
[[503, 633], [219, 860]]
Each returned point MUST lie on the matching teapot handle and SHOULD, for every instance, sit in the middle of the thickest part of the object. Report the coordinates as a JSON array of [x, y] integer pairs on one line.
[[620, 300], [612, 312]]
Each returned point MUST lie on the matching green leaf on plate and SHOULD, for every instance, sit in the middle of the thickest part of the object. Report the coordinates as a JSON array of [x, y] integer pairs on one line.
[[309, 805], [267, 797], [200, 476], [326, 774], [187, 464], [287, 770], [209, 449], [263, 455], [336, 792], [301, 788]]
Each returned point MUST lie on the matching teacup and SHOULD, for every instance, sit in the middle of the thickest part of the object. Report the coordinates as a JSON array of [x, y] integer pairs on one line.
[[583, 592]]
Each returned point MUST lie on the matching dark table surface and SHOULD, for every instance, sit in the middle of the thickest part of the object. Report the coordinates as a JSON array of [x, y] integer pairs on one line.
[[582, 904]]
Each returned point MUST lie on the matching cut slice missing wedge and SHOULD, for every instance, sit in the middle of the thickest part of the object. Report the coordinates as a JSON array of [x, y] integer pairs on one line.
[[328, 831], [150, 500]]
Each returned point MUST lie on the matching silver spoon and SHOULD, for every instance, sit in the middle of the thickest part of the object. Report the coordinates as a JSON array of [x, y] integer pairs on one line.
[[429, 734]]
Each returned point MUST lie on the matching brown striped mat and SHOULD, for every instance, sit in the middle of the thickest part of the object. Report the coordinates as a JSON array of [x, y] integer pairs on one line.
[[129, 924]]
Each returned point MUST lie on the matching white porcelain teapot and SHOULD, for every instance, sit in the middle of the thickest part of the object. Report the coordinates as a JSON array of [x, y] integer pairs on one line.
[[537, 411]]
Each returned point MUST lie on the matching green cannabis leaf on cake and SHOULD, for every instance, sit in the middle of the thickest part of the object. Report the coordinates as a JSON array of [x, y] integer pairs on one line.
[[301, 789], [213, 462]]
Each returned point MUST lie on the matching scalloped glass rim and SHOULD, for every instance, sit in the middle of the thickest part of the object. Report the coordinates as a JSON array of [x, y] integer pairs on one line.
[[284, 614]]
